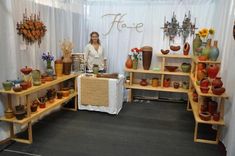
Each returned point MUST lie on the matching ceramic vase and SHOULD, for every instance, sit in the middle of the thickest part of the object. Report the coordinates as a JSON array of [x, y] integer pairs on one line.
[[135, 64], [212, 71], [59, 67], [217, 82], [214, 53], [206, 51], [196, 44], [129, 62], [143, 82], [147, 57], [186, 48]]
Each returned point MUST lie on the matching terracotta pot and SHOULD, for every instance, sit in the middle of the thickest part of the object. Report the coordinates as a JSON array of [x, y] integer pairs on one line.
[[24, 85], [171, 68], [7, 85], [167, 82], [67, 68], [204, 108], [204, 82], [186, 67], [26, 70], [143, 82], [34, 108], [129, 63], [186, 48], [195, 99], [42, 105], [155, 82], [59, 67], [176, 85], [212, 107], [165, 52], [216, 116], [17, 89], [8, 113], [201, 74], [59, 94], [204, 89], [212, 71], [218, 90], [206, 116], [147, 57], [20, 115], [217, 82], [174, 48], [201, 66], [202, 58]]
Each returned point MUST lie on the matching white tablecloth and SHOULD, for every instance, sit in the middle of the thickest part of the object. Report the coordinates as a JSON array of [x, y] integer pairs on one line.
[[116, 92]]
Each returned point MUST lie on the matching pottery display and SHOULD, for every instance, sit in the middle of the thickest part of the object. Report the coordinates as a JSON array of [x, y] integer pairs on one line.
[[218, 90], [196, 44], [212, 71], [26, 70], [7, 85], [186, 48], [167, 82], [129, 63], [214, 53], [58, 67], [174, 48], [186, 67], [206, 51], [217, 82], [171, 68], [212, 107], [165, 52], [147, 57], [176, 85], [143, 82], [95, 69], [155, 82]]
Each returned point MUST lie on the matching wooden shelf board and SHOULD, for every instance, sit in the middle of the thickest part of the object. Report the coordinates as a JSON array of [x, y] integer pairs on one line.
[[40, 111], [195, 107], [157, 72], [196, 60], [149, 87], [175, 56], [42, 86], [209, 94]]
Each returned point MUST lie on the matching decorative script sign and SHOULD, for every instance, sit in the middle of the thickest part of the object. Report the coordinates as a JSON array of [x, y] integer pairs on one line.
[[119, 22]]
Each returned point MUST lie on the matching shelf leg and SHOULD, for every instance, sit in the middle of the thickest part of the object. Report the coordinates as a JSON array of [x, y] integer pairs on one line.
[[28, 106], [189, 105], [30, 133], [76, 90], [195, 131]]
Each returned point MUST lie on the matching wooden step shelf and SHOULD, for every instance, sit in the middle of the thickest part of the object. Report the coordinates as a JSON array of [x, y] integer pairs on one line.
[[149, 87], [196, 60], [41, 111], [174, 56]]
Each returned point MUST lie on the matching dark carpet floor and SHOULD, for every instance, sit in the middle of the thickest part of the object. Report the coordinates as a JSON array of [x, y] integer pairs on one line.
[[140, 129]]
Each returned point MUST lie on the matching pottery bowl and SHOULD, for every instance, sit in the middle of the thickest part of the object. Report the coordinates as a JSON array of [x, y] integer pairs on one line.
[[171, 68], [204, 89], [174, 48], [206, 116], [165, 52]]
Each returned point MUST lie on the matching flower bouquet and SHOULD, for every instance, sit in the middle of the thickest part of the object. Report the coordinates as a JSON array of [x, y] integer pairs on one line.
[[48, 58]]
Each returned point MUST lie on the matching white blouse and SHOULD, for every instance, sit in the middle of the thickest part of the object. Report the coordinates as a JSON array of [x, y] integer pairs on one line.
[[92, 56]]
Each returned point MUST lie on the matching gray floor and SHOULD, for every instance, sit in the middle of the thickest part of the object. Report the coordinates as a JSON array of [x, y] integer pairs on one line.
[[140, 129]]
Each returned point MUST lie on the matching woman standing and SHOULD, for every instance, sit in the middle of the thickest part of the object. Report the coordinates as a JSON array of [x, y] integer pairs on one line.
[[94, 53]]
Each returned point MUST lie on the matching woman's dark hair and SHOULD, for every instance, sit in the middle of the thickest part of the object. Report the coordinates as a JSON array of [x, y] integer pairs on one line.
[[96, 33]]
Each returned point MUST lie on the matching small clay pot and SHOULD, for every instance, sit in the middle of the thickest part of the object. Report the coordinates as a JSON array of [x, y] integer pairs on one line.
[[26, 70], [206, 116], [216, 116], [195, 99], [171, 68], [176, 85], [9, 114], [34, 108], [59, 94], [186, 67], [174, 48], [7, 85], [165, 52], [212, 107], [202, 58], [20, 115], [185, 85], [217, 82], [66, 93], [204, 82], [186, 48], [167, 82], [155, 82], [204, 108], [24, 85], [17, 89], [143, 82], [42, 105], [218, 90], [204, 89]]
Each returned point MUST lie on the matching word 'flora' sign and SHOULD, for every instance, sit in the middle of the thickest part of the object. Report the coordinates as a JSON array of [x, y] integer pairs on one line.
[[118, 21]]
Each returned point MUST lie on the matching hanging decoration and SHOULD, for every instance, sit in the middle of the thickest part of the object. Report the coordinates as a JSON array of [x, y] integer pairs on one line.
[[173, 28], [31, 28]]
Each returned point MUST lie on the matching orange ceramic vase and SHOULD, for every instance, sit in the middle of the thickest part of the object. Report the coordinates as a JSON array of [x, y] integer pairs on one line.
[[129, 62]]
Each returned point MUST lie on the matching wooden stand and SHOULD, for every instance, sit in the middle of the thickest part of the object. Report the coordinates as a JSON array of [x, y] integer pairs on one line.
[[195, 106], [49, 106], [162, 73]]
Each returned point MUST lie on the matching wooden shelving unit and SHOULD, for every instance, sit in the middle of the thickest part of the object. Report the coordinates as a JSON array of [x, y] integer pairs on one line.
[[162, 72], [40, 111], [195, 106]]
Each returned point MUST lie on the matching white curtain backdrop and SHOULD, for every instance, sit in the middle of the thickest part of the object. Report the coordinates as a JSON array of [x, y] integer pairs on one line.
[[76, 19]]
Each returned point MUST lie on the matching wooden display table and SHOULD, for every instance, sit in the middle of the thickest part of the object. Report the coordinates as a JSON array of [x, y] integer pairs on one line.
[[49, 106]]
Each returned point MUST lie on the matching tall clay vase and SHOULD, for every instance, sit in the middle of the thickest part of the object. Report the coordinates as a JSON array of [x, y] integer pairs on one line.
[[196, 44], [129, 63], [147, 57], [67, 68], [186, 48], [212, 71], [59, 67], [206, 51], [214, 53]]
